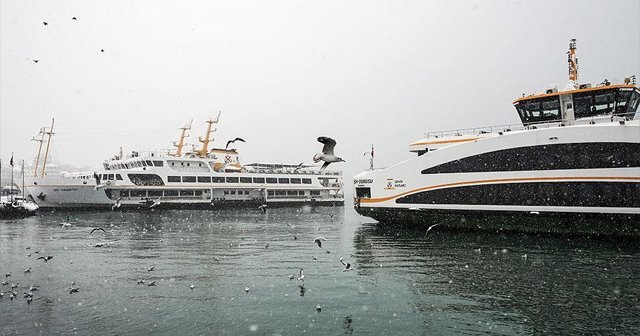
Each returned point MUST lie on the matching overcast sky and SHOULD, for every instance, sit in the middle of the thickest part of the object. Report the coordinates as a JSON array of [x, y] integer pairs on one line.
[[284, 72]]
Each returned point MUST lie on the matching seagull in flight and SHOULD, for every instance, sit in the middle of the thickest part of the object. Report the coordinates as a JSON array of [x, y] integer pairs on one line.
[[116, 204], [319, 240], [46, 259], [98, 184], [98, 229], [301, 277], [263, 208], [327, 154], [347, 266], [232, 141], [431, 227]]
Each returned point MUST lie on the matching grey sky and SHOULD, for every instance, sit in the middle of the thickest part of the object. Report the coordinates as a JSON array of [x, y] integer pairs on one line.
[[285, 72]]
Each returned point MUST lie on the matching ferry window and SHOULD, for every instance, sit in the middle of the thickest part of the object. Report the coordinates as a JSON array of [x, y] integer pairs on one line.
[[149, 163], [292, 192], [270, 192], [226, 192], [170, 193], [232, 180], [272, 180], [173, 178], [621, 102], [118, 177], [144, 164], [155, 193], [188, 164], [158, 163], [233, 192], [110, 177], [204, 179], [138, 193], [104, 176], [604, 102], [551, 109], [633, 103], [188, 179], [146, 179], [217, 179], [301, 192], [245, 180], [583, 102], [295, 181], [547, 157], [258, 180], [620, 194], [197, 192], [314, 192], [246, 192], [363, 192], [186, 192], [281, 193], [283, 180], [306, 181]]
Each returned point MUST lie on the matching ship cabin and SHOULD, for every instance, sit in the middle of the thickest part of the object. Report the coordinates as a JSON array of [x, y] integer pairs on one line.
[[580, 103]]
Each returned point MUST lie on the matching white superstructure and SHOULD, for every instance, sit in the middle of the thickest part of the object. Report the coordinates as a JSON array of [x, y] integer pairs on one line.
[[576, 155], [194, 179]]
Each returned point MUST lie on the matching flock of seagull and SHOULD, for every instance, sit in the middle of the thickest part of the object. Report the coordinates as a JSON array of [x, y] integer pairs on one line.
[[28, 293]]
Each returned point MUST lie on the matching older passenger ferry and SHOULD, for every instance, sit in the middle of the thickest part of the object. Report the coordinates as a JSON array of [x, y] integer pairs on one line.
[[201, 178], [572, 165]]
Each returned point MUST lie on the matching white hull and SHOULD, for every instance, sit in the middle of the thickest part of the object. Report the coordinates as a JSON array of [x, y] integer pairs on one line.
[[430, 184]]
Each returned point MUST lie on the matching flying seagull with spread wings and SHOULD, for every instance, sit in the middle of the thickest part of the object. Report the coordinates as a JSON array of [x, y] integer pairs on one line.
[[327, 154], [232, 141]]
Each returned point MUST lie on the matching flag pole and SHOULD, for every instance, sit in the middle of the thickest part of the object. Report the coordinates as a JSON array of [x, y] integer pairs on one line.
[[11, 190], [371, 160]]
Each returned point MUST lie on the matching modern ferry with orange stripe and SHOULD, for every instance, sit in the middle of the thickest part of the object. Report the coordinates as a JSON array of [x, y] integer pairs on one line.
[[573, 165]]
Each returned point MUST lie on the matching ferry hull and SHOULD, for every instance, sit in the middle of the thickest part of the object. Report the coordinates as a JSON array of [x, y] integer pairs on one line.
[[607, 224]]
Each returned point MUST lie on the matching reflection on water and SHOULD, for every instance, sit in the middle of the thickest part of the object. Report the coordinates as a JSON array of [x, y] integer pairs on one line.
[[405, 282]]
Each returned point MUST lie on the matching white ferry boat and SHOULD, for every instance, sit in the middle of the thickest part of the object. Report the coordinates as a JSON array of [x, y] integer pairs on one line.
[[574, 161], [199, 178]]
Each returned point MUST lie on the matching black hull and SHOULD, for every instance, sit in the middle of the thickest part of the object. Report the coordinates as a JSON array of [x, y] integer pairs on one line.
[[623, 225]]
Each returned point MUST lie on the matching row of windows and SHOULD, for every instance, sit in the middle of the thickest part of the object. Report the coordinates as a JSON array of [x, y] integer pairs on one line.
[[585, 194], [235, 179], [113, 194], [292, 192], [587, 104], [135, 164], [111, 177], [547, 157]]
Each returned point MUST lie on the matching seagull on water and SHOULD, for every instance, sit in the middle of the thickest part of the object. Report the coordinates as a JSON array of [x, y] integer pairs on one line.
[[7, 275], [327, 154], [98, 229], [318, 308], [246, 289], [67, 223], [291, 277], [150, 268], [73, 290], [347, 266], [28, 270], [232, 141], [140, 282], [319, 240], [152, 283], [192, 286], [46, 259]]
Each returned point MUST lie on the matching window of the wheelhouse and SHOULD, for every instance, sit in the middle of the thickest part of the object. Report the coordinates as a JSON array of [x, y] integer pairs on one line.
[[622, 101], [539, 110]]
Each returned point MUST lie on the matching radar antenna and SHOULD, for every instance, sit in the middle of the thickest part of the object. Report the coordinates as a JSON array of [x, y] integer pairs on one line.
[[573, 61], [183, 135], [207, 138]]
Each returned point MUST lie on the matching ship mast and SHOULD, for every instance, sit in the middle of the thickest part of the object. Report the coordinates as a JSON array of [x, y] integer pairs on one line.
[[40, 140], [180, 143], [46, 153], [573, 62], [207, 138]]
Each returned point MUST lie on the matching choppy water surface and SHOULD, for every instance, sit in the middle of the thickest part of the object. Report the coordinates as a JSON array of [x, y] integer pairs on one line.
[[404, 282]]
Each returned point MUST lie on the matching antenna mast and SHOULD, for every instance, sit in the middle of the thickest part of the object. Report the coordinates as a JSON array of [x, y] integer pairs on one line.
[[46, 153], [41, 140], [573, 62], [205, 142], [183, 135]]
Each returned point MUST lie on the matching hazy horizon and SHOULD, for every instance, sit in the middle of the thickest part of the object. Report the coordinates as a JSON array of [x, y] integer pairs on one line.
[[285, 72]]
